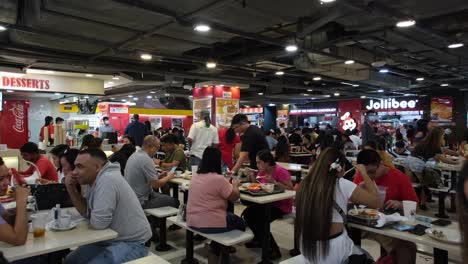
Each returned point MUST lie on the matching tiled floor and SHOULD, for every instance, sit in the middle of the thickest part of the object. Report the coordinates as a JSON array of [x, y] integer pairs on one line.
[[283, 232]]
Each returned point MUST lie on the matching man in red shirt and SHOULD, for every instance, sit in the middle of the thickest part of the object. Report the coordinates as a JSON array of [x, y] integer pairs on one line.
[[30, 152], [399, 189]]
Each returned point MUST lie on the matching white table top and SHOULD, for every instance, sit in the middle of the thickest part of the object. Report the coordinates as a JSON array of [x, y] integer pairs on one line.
[[287, 194], [290, 166], [423, 240], [179, 181], [301, 154], [153, 259], [55, 241]]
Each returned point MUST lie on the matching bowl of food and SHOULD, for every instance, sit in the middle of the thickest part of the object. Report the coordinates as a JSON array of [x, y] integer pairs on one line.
[[254, 187], [268, 187]]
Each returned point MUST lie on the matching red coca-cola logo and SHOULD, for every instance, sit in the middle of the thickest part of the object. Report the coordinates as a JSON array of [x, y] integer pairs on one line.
[[18, 112]]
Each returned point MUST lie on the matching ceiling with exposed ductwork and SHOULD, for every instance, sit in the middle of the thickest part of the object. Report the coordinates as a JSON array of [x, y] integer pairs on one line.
[[247, 41]]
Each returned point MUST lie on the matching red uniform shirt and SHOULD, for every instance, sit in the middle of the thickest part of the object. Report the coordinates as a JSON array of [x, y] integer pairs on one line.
[[46, 168], [227, 148], [399, 187]]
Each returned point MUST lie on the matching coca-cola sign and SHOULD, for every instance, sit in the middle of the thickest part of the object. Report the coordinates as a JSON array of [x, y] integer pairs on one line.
[[17, 110], [20, 83]]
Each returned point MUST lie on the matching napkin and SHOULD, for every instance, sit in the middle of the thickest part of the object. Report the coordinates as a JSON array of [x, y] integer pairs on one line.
[[384, 219]]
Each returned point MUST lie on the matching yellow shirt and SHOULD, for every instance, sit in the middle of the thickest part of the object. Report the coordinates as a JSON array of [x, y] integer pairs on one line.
[[386, 158]]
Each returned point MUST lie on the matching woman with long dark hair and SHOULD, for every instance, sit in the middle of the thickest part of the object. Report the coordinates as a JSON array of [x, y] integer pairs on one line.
[[48, 127], [227, 141], [321, 206], [121, 156], [462, 206], [282, 150]]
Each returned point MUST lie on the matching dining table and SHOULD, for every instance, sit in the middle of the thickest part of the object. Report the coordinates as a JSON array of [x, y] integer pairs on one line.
[[441, 250], [54, 241]]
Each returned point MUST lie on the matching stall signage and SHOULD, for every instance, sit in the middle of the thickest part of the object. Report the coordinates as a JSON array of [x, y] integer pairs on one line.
[[227, 94], [308, 111], [24, 83], [390, 103], [119, 110], [255, 110]]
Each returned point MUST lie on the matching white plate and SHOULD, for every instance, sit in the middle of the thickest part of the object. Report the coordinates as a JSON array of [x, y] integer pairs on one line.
[[246, 185], [9, 205], [51, 226], [451, 236]]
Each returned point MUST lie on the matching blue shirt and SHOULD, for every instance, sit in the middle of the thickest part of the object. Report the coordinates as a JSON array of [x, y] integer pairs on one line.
[[137, 130], [271, 142]]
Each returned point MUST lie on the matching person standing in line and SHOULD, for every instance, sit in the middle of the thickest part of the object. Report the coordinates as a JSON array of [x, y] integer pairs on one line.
[[202, 134], [368, 132], [106, 128], [109, 202], [253, 141], [137, 130]]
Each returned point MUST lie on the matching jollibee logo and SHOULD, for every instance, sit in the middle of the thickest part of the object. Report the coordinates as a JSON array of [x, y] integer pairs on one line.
[[348, 122]]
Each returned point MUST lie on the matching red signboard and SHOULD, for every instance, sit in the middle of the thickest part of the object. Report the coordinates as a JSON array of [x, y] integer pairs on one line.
[[349, 114], [14, 121], [442, 108]]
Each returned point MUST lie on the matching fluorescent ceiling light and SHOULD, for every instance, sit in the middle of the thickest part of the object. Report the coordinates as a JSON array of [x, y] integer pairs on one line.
[[363, 96], [455, 45], [57, 93], [355, 85], [406, 23], [123, 100], [420, 79], [112, 98], [146, 56], [444, 85], [89, 75], [2, 28], [260, 93], [407, 95], [336, 94], [152, 92], [149, 96], [86, 97], [130, 96], [383, 70], [190, 96], [327, 1], [306, 94], [202, 28], [309, 90], [317, 78], [135, 98], [271, 104], [348, 62], [291, 48], [380, 91], [211, 65], [279, 73], [115, 78], [167, 94], [9, 91]]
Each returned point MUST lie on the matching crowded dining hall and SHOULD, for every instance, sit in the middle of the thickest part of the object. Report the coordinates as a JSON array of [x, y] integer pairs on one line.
[[234, 131]]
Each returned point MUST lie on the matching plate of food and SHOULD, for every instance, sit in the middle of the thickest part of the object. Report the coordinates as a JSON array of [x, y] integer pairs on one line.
[[366, 214], [254, 187], [444, 235]]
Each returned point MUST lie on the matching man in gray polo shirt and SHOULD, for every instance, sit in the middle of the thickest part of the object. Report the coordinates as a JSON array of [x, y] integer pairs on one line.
[[141, 174], [109, 203]]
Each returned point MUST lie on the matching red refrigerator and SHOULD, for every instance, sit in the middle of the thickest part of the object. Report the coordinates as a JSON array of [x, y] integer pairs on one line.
[[14, 123]]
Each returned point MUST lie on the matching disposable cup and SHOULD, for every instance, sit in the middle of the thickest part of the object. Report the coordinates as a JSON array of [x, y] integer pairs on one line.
[[194, 169], [409, 209], [39, 222], [382, 193], [178, 173]]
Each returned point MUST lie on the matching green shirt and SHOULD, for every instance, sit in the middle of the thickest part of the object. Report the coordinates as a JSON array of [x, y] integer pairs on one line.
[[179, 155]]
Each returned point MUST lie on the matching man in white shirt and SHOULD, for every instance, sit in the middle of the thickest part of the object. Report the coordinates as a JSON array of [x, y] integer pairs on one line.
[[202, 134], [355, 138]]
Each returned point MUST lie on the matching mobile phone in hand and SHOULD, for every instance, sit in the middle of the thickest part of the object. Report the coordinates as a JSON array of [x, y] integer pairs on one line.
[[173, 169]]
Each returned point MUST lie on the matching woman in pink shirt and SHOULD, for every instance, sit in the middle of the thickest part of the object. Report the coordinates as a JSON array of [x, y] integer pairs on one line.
[[208, 200], [269, 172]]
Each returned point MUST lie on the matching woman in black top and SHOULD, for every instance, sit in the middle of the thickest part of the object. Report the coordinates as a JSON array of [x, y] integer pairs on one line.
[[121, 156]]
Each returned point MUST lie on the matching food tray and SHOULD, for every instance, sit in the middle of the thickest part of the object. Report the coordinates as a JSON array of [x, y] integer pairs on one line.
[[262, 192]]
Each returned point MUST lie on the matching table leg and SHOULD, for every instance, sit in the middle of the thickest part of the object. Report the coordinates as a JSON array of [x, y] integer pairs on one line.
[[185, 196], [440, 256], [189, 259], [355, 235], [175, 190], [225, 255], [295, 251], [162, 246], [266, 236], [441, 213], [453, 203]]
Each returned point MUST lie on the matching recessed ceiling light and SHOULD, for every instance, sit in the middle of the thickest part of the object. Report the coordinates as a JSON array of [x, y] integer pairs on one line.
[[112, 98], [406, 23], [146, 56], [115, 77], [57, 93], [9, 91], [407, 95], [306, 94], [86, 97], [380, 91], [135, 98], [49, 72], [279, 73], [444, 84], [149, 96], [336, 94], [130, 96], [271, 104], [202, 28], [89, 75], [348, 62], [291, 48], [355, 85], [317, 78], [190, 96], [152, 92], [383, 70], [309, 90], [455, 45], [327, 1], [167, 94], [363, 96], [3, 28], [420, 79], [260, 93], [124, 100], [211, 65]]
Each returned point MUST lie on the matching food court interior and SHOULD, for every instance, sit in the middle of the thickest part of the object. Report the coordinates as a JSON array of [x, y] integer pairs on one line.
[[321, 85]]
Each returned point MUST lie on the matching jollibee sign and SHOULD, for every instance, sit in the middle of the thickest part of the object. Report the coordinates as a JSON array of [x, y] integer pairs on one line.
[[391, 104]]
